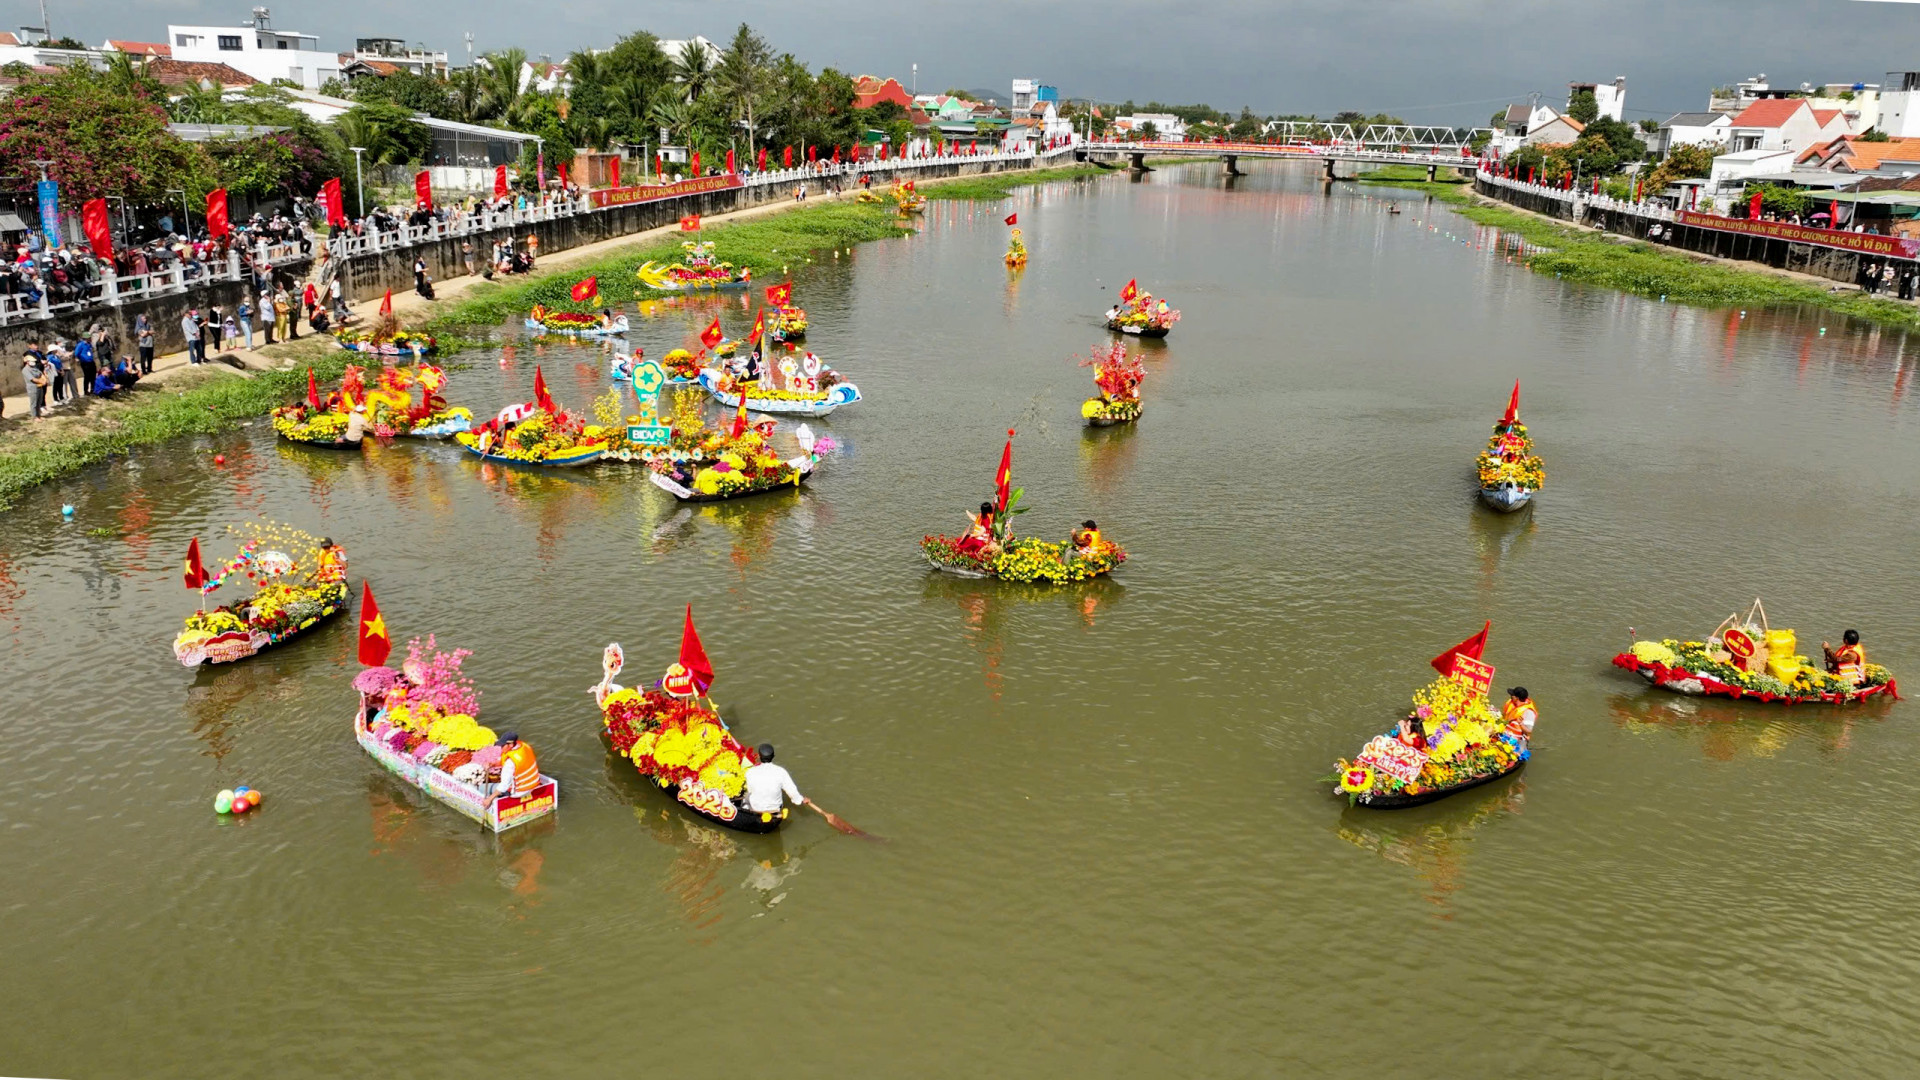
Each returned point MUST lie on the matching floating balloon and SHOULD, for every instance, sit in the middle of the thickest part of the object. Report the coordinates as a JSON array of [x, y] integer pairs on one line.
[[67, 510], [219, 459], [242, 790], [223, 802]]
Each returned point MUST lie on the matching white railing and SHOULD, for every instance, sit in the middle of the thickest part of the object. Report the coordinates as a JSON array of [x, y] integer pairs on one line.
[[113, 290], [1651, 209]]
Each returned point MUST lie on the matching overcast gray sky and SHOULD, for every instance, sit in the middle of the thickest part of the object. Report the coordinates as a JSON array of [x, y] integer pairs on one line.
[[1431, 61]]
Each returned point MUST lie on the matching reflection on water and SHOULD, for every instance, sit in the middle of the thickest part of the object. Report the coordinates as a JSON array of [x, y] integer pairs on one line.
[[1434, 841], [1725, 730]]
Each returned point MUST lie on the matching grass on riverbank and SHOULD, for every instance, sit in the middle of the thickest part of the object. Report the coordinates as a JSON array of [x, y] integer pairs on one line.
[[1399, 175], [193, 402], [1001, 185], [1635, 266]]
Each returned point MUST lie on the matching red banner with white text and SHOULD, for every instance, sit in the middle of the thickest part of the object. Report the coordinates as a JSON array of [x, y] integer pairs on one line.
[[654, 192], [1897, 247]]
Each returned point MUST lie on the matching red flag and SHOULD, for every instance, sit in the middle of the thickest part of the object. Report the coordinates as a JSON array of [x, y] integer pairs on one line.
[[217, 225], [374, 642], [1013, 219], [759, 324], [973, 147], [1636, 189], [659, 164], [693, 656], [1472, 648], [196, 573], [813, 153], [760, 163], [1753, 207], [313, 390], [696, 163], [780, 295], [883, 151], [93, 222], [740, 416], [1513, 405], [584, 291], [910, 186], [1833, 214], [1596, 185], [690, 223], [561, 168], [1132, 290], [786, 157], [423, 189], [730, 168], [540, 395], [613, 172], [330, 198], [386, 304], [836, 153], [1529, 174], [1003, 477], [711, 337], [499, 181]]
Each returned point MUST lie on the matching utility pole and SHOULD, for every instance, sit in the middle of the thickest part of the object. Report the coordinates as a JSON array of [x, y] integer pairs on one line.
[[359, 186], [916, 67], [45, 26]]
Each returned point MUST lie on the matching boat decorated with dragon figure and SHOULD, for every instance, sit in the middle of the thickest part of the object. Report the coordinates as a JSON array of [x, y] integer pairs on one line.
[[699, 270]]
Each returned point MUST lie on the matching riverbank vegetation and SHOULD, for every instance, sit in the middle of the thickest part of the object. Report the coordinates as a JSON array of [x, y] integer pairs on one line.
[[1001, 185], [1635, 266]]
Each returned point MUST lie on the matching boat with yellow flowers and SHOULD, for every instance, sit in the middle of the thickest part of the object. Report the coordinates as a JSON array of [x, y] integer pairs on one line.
[[676, 739], [788, 324], [805, 395], [1016, 256], [1510, 472], [1118, 377], [537, 433], [548, 320], [1746, 658], [292, 594], [700, 270], [907, 199], [420, 723], [1139, 314], [734, 465], [989, 548], [1451, 740]]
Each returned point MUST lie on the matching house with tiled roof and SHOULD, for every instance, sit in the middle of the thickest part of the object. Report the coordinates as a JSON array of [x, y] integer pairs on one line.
[[1785, 124], [871, 90], [138, 48], [1561, 130], [1851, 154], [179, 74], [1692, 129]]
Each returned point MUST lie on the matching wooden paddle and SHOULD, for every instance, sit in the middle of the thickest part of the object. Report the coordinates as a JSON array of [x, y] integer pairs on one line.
[[840, 823]]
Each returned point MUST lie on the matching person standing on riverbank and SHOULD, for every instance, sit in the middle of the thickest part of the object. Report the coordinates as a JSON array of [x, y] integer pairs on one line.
[[245, 314], [33, 372], [143, 337], [282, 314], [57, 371], [83, 359], [190, 333]]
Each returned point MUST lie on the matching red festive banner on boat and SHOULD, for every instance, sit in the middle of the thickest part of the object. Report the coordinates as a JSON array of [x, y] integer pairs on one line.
[[1475, 673], [1899, 247], [1393, 757], [654, 192]]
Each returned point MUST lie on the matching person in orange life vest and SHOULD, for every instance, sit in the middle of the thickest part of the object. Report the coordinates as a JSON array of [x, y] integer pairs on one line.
[[980, 539], [1413, 733], [519, 772], [1086, 539], [1519, 713], [1849, 661], [333, 562]]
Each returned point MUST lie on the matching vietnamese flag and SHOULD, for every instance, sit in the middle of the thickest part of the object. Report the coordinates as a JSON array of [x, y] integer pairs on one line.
[[781, 294], [1013, 219], [690, 223], [696, 163], [374, 642], [313, 390], [540, 395], [95, 223], [759, 324], [386, 304], [1003, 478], [499, 181], [1132, 290], [813, 153], [760, 163], [1513, 405], [217, 224], [1753, 207], [1471, 648], [693, 656], [583, 291], [330, 198], [711, 336], [786, 157], [730, 169], [423, 189], [740, 416], [196, 572]]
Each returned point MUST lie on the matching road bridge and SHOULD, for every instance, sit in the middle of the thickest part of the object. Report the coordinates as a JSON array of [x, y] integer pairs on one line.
[[1370, 148]]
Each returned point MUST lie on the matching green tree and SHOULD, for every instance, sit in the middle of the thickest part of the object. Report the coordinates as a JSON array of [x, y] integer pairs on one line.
[[1684, 162], [744, 78], [420, 93], [1583, 107], [100, 140], [1874, 135], [389, 133], [692, 71], [500, 86], [1247, 126], [1619, 137], [1774, 199]]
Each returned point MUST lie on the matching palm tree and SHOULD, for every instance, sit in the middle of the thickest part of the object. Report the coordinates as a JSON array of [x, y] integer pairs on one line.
[[627, 103], [693, 70], [746, 77], [200, 103], [500, 86], [466, 90], [674, 116]]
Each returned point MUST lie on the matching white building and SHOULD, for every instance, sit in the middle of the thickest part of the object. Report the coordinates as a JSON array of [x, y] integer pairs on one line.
[[1692, 129], [1785, 124], [258, 50], [1900, 104], [396, 54], [1166, 126], [673, 49], [1611, 97], [1730, 171]]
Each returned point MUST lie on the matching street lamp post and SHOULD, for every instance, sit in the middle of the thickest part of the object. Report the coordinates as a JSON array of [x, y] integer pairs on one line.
[[359, 186]]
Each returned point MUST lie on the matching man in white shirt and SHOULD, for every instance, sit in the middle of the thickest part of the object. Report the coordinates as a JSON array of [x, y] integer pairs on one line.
[[768, 783]]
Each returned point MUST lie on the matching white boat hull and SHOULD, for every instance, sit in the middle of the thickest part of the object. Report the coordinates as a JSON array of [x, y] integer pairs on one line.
[[1506, 498]]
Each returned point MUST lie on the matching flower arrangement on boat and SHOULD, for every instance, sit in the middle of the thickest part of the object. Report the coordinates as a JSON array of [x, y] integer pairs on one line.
[[681, 366], [1450, 739], [1508, 465], [989, 547], [300, 423], [1016, 249], [428, 710], [1139, 313], [742, 463], [292, 592], [376, 340], [700, 270], [554, 319], [1746, 657], [1118, 377], [908, 200], [788, 324], [537, 432]]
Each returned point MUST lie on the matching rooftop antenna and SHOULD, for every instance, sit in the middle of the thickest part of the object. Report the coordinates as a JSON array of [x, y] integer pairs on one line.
[[262, 18], [469, 48]]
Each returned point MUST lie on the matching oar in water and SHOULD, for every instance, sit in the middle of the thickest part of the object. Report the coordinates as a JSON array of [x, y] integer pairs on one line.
[[840, 823]]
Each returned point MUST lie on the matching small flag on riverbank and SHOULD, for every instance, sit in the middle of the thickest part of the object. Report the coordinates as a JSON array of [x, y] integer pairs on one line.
[[690, 223], [499, 181], [375, 643], [217, 224]]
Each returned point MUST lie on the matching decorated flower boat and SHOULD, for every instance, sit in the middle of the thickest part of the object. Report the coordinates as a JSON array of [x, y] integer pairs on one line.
[[989, 549], [537, 433], [679, 742], [1510, 472], [788, 324], [1138, 313], [575, 323], [301, 423], [699, 271], [405, 402], [908, 200], [399, 343], [1747, 658], [682, 367], [1118, 377], [419, 722], [291, 595], [1016, 256], [1452, 740], [803, 399], [741, 464]]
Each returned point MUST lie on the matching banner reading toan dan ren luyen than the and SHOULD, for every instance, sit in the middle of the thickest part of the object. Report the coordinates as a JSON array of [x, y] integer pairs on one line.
[[628, 195], [1897, 247]]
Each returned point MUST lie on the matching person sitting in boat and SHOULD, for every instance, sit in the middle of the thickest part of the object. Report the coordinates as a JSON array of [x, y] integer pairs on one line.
[[1413, 733], [1086, 539], [519, 772], [606, 318], [1519, 712], [981, 540], [769, 784], [356, 424], [1113, 313], [1849, 661], [333, 562]]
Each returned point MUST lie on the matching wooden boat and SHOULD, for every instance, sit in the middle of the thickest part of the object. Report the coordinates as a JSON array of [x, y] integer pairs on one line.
[[941, 554], [388, 348], [1105, 417], [964, 570], [503, 813], [712, 805], [1016, 261], [1139, 331], [453, 422], [660, 278], [571, 461], [804, 465], [1506, 498], [618, 328], [193, 648], [819, 405], [332, 444], [1679, 679], [1401, 802]]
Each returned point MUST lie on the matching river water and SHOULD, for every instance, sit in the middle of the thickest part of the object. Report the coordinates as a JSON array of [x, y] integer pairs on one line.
[[1108, 849]]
